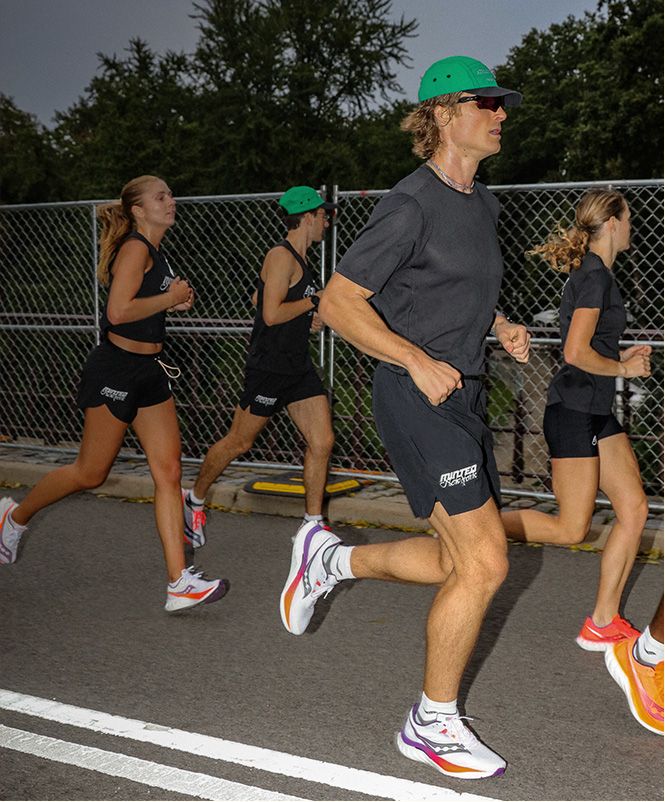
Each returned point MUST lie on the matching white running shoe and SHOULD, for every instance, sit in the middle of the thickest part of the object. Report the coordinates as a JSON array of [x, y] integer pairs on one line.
[[195, 520], [324, 523], [449, 746], [10, 535], [191, 589], [310, 576]]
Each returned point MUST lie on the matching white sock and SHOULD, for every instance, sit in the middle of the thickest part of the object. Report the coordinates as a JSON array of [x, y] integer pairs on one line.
[[648, 650], [427, 705], [340, 562], [197, 502], [19, 527], [309, 517]]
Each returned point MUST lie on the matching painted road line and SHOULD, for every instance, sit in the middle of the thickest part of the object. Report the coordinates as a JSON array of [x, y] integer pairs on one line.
[[318, 771], [145, 772]]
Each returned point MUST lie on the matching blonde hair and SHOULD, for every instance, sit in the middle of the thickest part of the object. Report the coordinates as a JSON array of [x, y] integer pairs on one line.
[[117, 221], [565, 248], [423, 126]]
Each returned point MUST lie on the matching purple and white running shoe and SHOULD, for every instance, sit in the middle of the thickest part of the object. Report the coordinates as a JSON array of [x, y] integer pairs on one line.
[[10, 533], [448, 745]]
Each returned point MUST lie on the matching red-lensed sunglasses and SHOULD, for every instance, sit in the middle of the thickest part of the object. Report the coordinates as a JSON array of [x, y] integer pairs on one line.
[[490, 103]]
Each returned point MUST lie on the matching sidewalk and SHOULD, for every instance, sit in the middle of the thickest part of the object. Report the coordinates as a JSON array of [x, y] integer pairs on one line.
[[381, 504]]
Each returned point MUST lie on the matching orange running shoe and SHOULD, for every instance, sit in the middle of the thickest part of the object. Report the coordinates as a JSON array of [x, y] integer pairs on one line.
[[597, 639], [643, 685]]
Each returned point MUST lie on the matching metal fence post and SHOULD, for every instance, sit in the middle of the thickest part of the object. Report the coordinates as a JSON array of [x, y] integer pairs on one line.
[[95, 262]]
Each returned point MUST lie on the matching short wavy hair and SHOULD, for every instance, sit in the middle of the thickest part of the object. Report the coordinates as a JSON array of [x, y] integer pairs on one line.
[[423, 126]]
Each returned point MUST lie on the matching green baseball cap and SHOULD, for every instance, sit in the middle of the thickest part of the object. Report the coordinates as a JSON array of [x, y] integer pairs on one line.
[[463, 74], [298, 200]]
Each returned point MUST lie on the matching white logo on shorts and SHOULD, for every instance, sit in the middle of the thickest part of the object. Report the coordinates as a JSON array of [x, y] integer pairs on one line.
[[114, 395], [459, 477], [267, 402], [594, 442], [166, 283]]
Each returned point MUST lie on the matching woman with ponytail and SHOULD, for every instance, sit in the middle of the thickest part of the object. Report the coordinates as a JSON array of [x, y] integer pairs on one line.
[[126, 382], [587, 444]]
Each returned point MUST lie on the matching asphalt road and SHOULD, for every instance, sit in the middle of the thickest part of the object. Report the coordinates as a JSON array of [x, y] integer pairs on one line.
[[82, 623]]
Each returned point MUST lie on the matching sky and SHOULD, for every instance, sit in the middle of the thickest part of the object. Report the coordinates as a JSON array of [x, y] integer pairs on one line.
[[48, 47]]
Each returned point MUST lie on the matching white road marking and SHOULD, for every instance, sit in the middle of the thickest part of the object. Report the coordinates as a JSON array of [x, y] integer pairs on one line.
[[318, 771], [145, 772]]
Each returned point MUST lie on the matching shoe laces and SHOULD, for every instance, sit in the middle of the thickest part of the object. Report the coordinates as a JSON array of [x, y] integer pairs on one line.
[[455, 728], [624, 626], [322, 587], [195, 572]]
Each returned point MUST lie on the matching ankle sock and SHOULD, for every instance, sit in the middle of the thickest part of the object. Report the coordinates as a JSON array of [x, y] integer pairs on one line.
[[340, 561], [20, 528], [427, 705], [309, 517], [197, 502], [648, 650]]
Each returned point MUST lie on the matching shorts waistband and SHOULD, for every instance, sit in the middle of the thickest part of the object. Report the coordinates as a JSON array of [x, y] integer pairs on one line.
[[477, 377]]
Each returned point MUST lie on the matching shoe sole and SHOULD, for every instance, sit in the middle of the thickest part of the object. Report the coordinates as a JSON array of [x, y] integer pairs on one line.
[[618, 675], [414, 753], [179, 604], [298, 562], [6, 505], [592, 645]]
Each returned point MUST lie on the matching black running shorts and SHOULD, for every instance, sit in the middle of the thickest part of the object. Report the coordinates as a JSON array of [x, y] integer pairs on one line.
[[123, 381], [266, 393], [570, 433], [439, 453]]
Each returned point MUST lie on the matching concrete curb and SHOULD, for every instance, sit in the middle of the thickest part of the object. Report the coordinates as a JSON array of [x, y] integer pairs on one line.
[[390, 510]]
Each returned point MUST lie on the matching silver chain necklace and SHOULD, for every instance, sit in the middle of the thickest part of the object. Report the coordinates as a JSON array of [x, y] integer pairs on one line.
[[451, 181]]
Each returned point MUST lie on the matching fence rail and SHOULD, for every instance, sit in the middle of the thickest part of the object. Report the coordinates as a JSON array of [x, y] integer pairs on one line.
[[50, 300]]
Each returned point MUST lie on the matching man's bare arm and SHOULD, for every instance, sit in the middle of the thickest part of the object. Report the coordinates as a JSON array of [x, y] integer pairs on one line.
[[277, 274]]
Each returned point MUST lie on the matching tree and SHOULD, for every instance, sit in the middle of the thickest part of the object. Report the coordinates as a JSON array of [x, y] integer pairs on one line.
[[138, 116], [593, 98], [274, 94], [284, 81], [27, 169]]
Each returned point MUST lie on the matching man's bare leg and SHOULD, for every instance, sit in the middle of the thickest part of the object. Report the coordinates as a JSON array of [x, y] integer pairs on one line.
[[244, 430], [312, 417]]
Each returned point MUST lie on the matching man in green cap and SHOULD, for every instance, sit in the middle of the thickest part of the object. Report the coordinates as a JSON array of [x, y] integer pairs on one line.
[[418, 290], [279, 371]]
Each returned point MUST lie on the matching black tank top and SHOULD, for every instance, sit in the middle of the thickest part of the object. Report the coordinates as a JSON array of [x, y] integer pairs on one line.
[[284, 347], [157, 280]]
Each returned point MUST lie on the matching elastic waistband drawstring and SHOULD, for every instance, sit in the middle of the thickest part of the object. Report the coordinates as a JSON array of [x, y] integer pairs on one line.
[[171, 371]]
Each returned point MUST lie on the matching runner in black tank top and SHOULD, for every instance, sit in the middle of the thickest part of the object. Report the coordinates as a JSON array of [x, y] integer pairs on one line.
[[284, 347], [279, 370], [125, 382]]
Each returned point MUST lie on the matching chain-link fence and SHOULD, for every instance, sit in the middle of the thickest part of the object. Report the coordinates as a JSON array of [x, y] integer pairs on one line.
[[50, 301]]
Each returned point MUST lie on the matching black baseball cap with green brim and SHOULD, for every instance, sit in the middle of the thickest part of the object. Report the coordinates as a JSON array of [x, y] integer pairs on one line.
[[463, 74], [299, 200]]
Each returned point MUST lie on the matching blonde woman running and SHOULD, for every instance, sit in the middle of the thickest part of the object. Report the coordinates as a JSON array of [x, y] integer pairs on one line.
[[125, 382], [587, 444]]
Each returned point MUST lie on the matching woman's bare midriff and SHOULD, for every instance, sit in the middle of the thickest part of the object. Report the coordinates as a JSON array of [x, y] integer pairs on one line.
[[135, 346]]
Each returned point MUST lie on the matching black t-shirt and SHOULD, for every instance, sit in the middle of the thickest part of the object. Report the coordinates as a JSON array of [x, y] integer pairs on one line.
[[155, 281], [284, 347], [591, 286], [431, 256]]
